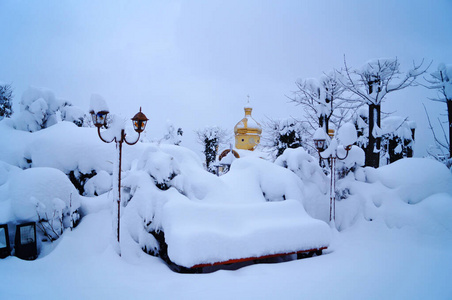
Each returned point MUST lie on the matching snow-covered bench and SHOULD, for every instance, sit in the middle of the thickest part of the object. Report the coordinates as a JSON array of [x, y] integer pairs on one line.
[[201, 234]]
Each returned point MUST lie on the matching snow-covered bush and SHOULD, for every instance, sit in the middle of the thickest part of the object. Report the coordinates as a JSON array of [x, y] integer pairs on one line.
[[42, 195], [400, 194], [153, 179], [98, 184], [74, 114], [315, 182], [6, 95], [396, 134], [39, 109], [173, 136], [160, 166], [282, 134], [397, 138], [210, 138]]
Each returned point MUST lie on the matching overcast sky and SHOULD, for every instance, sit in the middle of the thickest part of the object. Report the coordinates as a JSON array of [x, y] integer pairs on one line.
[[195, 62]]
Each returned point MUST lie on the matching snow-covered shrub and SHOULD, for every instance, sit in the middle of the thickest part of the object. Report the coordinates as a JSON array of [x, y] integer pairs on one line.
[[398, 194], [210, 138], [282, 134], [315, 182], [148, 186], [39, 109], [45, 196], [173, 136], [98, 184], [396, 134], [160, 166], [258, 180], [79, 179], [6, 95], [397, 138], [74, 114]]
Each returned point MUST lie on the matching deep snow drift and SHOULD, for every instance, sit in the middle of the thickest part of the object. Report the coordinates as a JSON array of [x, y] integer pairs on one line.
[[394, 238]]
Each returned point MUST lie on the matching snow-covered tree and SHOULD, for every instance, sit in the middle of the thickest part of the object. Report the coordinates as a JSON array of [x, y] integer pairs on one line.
[[320, 99], [397, 138], [441, 81], [397, 135], [74, 114], [6, 97], [211, 138], [173, 135], [282, 134], [39, 109], [370, 85]]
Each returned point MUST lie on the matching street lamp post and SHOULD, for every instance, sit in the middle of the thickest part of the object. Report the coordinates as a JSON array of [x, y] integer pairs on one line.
[[139, 124], [331, 154]]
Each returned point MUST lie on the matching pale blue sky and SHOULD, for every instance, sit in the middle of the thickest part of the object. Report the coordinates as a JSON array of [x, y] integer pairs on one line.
[[194, 62]]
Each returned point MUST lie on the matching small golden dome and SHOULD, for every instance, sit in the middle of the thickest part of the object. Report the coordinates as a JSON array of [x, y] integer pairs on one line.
[[248, 124], [247, 132]]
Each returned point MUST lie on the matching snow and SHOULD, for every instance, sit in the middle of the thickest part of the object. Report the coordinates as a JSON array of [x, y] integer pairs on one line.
[[446, 81], [252, 124], [98, 103], [414, 178], [398, 126], [347, 134], [320, 134], [224, 232], [99, 184], [391, 238], [45, 188]]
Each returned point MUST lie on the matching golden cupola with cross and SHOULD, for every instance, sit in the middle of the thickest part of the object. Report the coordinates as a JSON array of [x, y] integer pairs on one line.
[[248, 131]]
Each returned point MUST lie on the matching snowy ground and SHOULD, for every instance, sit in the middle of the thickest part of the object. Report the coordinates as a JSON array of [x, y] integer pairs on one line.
[[368, 261], [395, 238]]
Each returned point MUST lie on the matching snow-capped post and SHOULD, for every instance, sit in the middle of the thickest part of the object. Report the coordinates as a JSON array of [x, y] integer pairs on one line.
[[99, 112], [347, 135]]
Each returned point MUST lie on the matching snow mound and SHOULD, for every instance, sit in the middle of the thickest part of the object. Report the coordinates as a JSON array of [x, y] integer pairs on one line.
[[43, 190], [256, 180], [232, 231], [414, 192], [414, 178]]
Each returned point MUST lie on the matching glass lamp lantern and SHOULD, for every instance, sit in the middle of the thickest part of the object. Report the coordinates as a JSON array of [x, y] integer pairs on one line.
[[320, 139], [319, 144], [99, 118], [139, 121]]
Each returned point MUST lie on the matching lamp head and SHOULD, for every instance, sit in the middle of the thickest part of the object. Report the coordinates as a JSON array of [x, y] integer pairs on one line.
[[139, 121], [99, 118]]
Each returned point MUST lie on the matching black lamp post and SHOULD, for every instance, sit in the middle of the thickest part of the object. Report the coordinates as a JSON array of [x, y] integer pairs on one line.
[[139, 124], [331, 154]]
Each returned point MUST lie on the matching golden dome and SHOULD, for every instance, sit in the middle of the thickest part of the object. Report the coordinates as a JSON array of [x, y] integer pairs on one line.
[[247, 132], [248, 124]]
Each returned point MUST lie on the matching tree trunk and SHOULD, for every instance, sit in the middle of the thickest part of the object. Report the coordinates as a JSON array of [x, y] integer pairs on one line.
[[323, 122], [449, 114], [373, 147]]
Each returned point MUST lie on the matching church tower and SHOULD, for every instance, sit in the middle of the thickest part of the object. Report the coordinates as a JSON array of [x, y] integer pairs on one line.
[[247, 132]]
